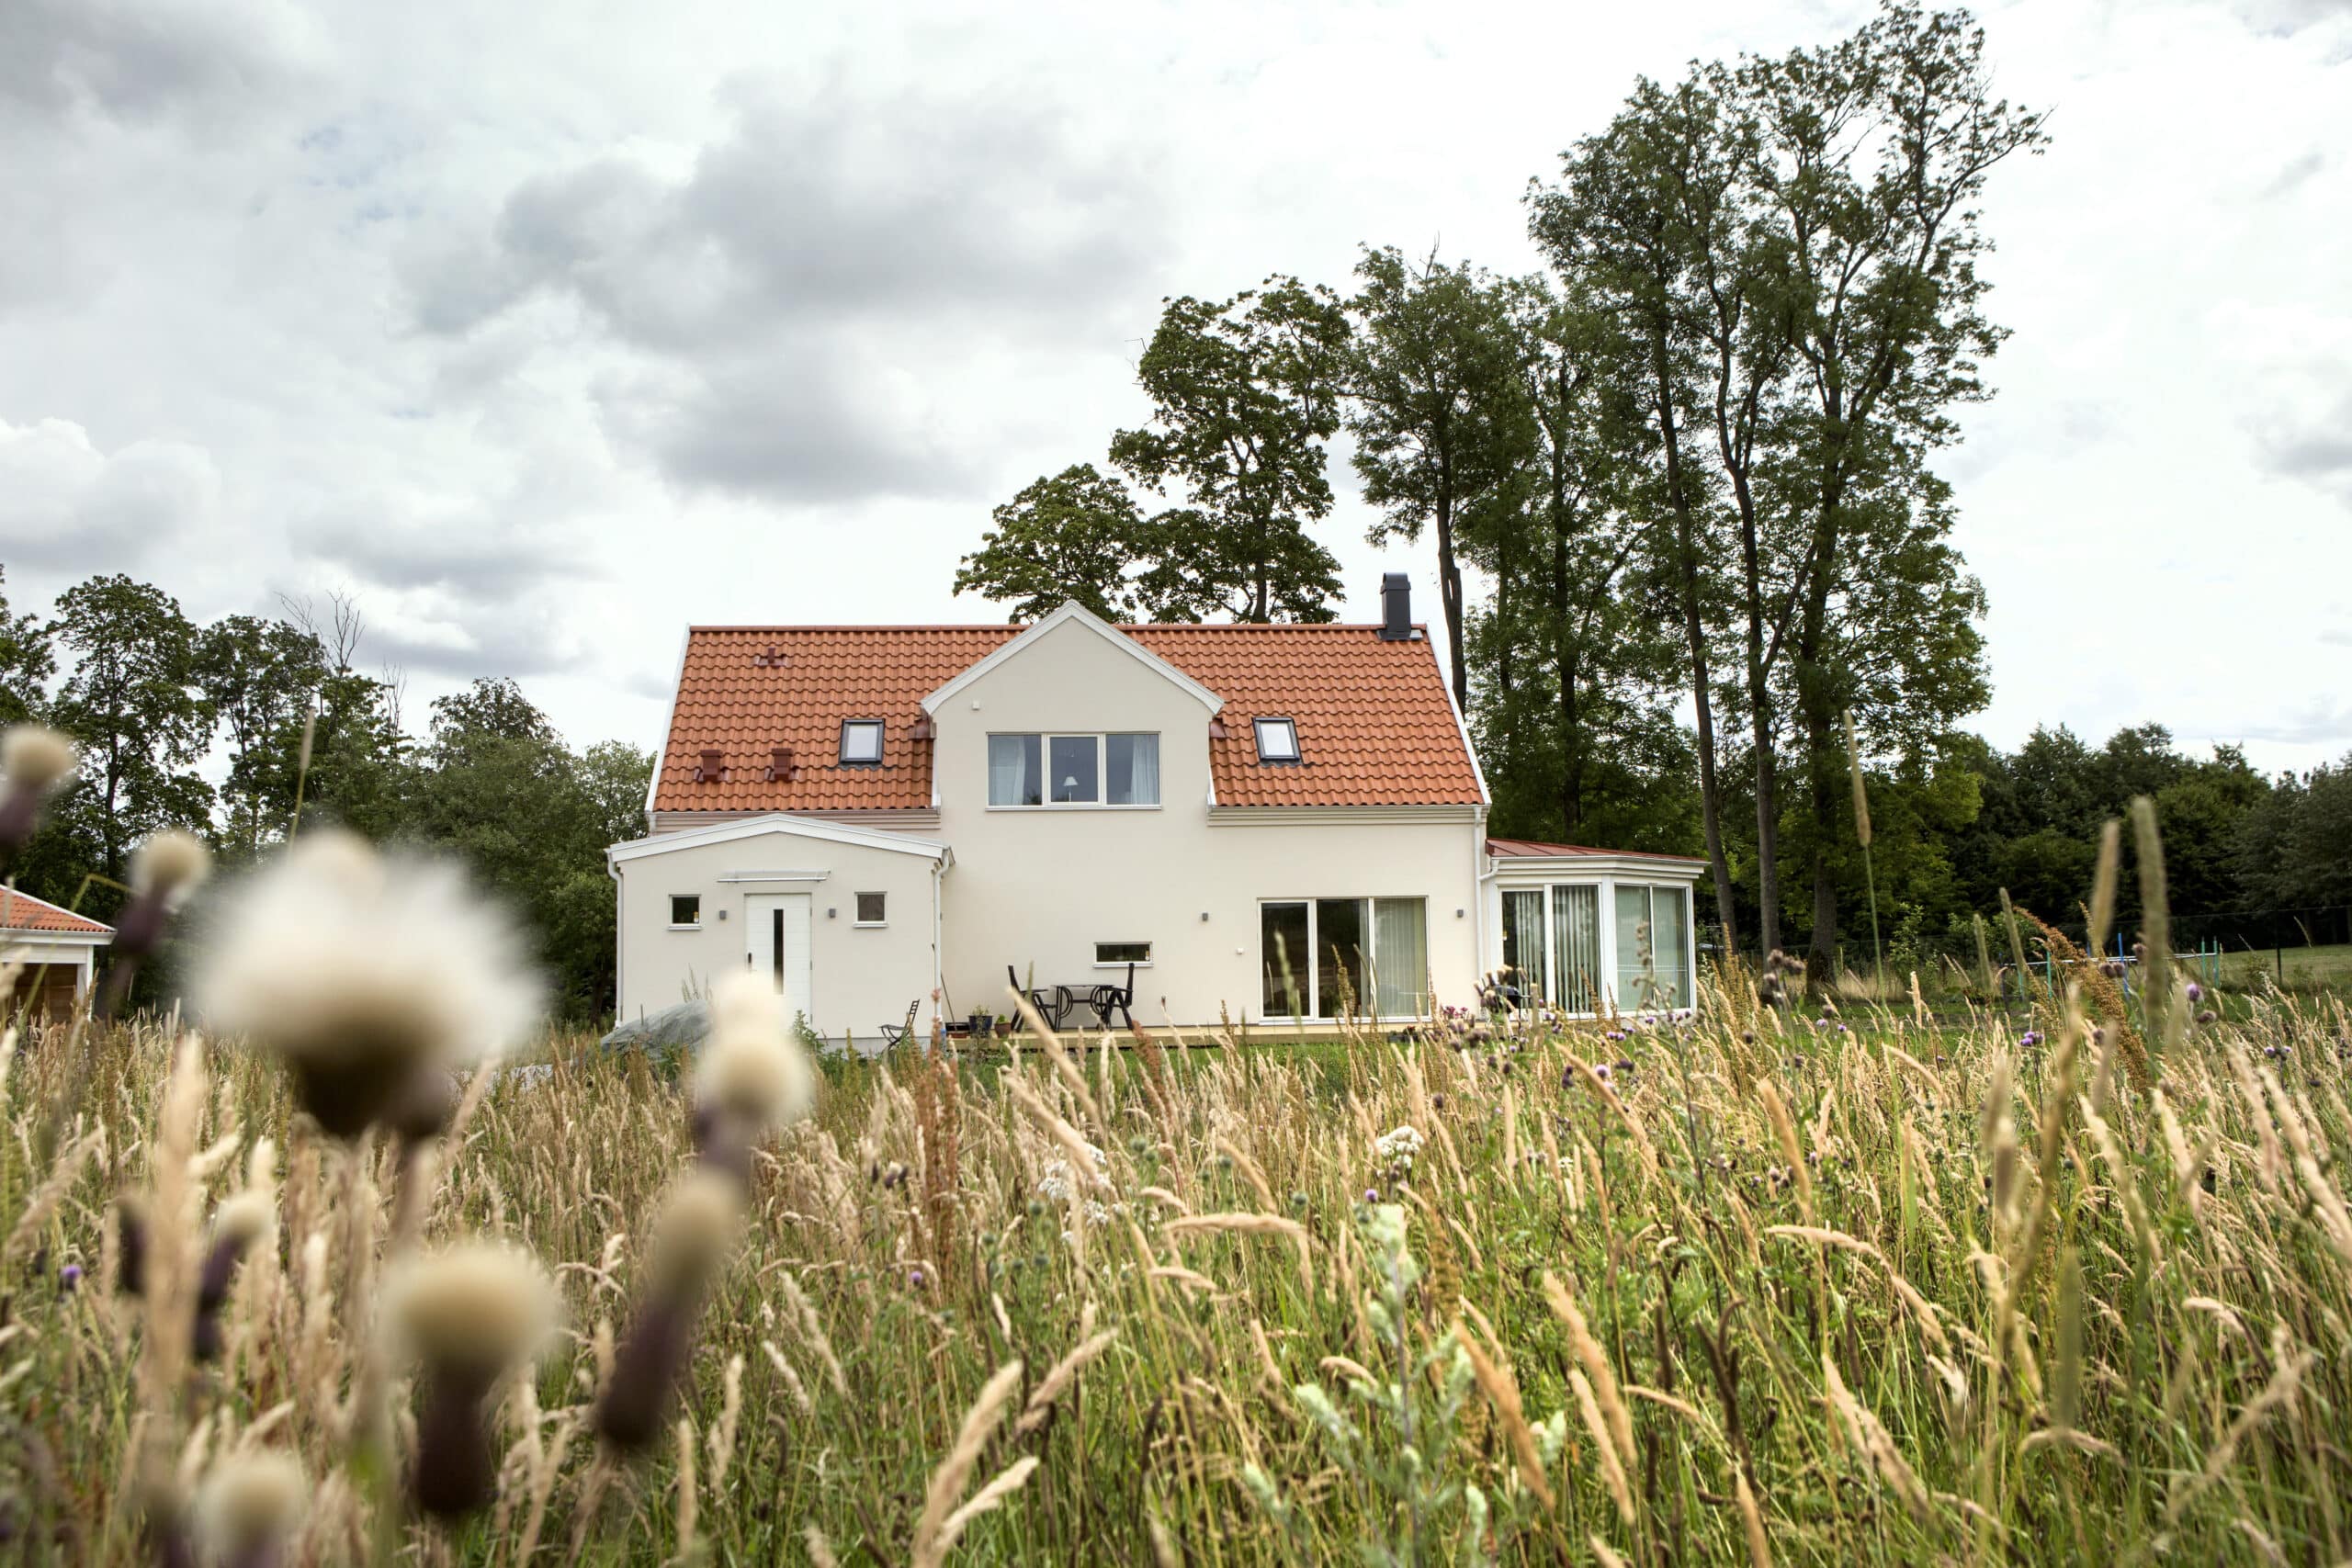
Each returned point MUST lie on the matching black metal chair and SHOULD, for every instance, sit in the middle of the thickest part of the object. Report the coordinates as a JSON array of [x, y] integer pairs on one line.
[[1053, 1002], [900, 1033], [1106, 999]]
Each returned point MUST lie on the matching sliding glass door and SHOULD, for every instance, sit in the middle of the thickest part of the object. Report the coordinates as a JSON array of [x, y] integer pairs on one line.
[[1576, 947], [1343, 957], [1523, 943]]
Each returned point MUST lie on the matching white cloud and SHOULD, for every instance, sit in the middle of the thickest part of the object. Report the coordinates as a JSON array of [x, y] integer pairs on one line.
[[548, 332], [64, 502]]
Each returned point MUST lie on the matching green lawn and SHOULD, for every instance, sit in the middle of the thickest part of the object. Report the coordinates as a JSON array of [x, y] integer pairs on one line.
[[2298, 968]]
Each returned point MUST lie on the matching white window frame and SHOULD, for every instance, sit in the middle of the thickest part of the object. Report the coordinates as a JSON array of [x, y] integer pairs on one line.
[[863, 925], [881, 740], [1289, 728], [1101, 739], [1314, 967], [1543, 981], [1103, 963], [678, 925]]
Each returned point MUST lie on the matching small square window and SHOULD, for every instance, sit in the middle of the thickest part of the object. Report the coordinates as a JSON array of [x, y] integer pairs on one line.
[[685, 909], [1122, 953], [1277, 740], [862, 743], [870, 909]]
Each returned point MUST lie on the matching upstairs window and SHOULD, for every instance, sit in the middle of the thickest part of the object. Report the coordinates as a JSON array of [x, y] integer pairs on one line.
[[1277, 740], [1074, 770], [861, 743]]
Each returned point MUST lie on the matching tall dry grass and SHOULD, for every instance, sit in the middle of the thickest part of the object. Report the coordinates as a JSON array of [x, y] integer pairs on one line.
[[1738, 1290]]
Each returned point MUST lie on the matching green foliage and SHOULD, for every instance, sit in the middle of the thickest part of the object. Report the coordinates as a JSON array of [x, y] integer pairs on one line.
[[133, 700], [1437, 410], [260, 677], [1245, 393], [499, 789], [1074, 534], [27, 662]]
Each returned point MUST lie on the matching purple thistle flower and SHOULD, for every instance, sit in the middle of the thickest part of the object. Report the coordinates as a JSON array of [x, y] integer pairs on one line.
[[2196, 992], [69, 1277]]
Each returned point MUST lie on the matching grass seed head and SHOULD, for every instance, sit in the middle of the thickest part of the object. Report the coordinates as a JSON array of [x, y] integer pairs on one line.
[[695, 1231], [249, 1504]]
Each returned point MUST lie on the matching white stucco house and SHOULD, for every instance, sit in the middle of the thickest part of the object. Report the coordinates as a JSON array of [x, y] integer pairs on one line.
[[1268, 823], [57, 949]]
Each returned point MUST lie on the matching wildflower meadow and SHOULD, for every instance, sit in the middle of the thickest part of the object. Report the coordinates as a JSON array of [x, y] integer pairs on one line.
[[348, 1263]]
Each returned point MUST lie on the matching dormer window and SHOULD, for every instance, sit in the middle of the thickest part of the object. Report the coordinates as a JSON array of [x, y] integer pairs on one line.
[[1277, 740], [861, 743]]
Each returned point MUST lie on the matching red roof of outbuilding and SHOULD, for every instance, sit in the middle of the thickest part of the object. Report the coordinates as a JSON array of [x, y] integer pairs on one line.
[[23, 912], [1375, 724]]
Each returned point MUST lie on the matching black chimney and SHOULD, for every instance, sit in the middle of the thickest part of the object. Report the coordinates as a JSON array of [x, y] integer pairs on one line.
[[1395, 608]]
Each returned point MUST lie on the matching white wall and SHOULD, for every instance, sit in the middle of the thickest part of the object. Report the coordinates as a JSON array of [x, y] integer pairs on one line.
[[860, 977], [1040, 886]]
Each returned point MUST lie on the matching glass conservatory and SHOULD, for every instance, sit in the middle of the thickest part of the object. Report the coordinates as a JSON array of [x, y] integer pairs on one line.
[[1590, 931]]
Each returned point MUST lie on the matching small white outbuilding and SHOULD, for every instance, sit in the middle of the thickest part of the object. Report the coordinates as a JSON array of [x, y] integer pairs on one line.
[[58, 948]]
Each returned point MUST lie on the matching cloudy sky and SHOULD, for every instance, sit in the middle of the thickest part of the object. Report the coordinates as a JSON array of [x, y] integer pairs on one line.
[[547, 328]]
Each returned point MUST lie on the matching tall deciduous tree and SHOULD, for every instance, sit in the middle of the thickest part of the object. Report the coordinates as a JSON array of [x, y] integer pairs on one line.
[[260, 677], [133, 703], [1571, 666], [1245, 395], [27, 662], [1870, 158], [1436, 409], [1074, 534], [1614, 229]]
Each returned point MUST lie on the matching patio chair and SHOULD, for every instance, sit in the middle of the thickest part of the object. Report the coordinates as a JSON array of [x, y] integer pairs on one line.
[[1107, 999], [1051, 1002], [900, 1033]]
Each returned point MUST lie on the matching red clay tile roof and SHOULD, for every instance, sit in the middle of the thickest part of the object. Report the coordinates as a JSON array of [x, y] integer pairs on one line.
[[1516, 849], [23, 912], [1374, 726]]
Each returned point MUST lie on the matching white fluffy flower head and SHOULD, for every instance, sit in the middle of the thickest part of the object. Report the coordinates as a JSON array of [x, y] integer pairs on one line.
[[170, 864], [335, 954], [35, 759], [476, 1306], [752, 1069]]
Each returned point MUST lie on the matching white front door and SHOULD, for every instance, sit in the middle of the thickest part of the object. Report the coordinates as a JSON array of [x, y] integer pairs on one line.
[[776, 943]]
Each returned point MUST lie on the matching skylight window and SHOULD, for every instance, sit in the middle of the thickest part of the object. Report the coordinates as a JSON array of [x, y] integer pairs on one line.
[[1277, 740], [862, 743]]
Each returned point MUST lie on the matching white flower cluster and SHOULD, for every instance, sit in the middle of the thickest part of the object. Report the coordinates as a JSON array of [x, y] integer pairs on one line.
[[1054, 1182], [1399, 1148]]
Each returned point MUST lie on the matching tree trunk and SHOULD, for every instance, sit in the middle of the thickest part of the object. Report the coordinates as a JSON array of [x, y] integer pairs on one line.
[[1695, 635], [1449, 592], [1759, 708]]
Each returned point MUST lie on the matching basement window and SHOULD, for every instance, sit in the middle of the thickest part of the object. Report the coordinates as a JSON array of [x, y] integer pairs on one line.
[[872, 910], [1277, 740], [685, 911], [861, 743]]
